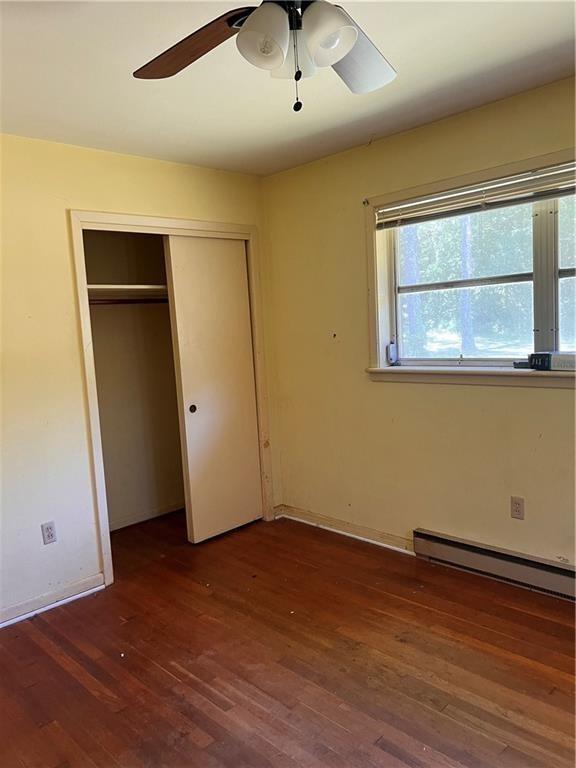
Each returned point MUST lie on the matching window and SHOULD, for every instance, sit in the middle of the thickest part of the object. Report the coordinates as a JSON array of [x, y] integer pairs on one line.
[[482, 275], [567, 273]]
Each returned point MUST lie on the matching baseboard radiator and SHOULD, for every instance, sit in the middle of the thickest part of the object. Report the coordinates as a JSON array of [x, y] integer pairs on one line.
[[527, 571]]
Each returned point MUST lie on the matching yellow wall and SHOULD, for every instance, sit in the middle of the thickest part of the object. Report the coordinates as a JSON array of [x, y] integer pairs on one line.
[[395, 456], [138, 411], [383, 455], [45, 461]]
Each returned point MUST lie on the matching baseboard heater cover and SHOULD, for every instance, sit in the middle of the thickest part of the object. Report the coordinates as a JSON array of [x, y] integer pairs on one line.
[[534, 572]]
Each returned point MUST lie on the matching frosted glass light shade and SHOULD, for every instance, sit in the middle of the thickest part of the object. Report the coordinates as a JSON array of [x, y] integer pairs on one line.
[[263, 39], [305, 63], [328, 32]]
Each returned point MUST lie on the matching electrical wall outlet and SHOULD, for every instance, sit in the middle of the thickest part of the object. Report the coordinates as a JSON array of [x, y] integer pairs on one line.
[[49, 532], [517, 507]]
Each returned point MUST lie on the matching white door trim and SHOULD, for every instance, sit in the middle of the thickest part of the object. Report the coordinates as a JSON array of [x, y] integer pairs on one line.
[[118, 222]]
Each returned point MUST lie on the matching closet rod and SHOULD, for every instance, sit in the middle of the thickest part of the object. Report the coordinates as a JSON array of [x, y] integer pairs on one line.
[[129, 301]]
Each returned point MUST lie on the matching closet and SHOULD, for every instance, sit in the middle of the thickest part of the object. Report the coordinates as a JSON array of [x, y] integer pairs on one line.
[[172, 346]]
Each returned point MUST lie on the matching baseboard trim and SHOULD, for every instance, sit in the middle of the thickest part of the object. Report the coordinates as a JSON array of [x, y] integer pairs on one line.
[[353, 531], [29, 608]]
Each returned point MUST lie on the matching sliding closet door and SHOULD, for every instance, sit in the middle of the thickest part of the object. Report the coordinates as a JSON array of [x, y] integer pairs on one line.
[[211, 328]]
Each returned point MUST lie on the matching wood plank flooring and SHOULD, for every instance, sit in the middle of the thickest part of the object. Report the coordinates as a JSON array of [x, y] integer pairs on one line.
[[285, 645]]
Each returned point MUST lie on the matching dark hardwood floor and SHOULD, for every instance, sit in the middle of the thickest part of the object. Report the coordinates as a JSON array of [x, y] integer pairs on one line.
[[285, 645]]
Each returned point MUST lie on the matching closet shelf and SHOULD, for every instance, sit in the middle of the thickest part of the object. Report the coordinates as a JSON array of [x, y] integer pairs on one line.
[[128, 292]]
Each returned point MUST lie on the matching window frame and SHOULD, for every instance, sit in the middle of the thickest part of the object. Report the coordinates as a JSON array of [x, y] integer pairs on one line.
[[546, 273], [545, 277]]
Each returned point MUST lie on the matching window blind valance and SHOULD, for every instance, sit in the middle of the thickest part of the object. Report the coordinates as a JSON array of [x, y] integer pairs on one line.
[[554, 181]]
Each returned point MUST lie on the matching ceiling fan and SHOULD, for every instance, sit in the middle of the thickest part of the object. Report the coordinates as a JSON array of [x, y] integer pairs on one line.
[[291, 39]]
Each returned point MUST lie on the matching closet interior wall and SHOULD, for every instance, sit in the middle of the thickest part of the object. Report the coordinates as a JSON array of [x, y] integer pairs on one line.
[[134, 375]]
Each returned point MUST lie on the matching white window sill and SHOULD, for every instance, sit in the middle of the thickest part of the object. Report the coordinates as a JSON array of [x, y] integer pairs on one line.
[[476, 375]]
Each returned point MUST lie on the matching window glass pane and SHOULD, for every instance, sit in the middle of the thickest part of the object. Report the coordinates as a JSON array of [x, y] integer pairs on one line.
[[566, 231], [486, 321], [488, 243], [567, 302]]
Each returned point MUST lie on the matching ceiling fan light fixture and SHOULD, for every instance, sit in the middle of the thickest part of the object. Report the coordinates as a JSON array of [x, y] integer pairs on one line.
[[264, 37], [290, 38], [305, 63], [328, 32]]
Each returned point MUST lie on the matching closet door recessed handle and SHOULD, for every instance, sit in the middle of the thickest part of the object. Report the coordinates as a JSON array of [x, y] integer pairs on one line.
[[193, 409]]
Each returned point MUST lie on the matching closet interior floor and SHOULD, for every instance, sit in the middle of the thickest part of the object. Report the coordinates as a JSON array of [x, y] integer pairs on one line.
[[285, 645]]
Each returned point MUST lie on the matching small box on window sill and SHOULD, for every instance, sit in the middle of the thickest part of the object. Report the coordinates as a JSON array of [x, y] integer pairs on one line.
[[552, 361]]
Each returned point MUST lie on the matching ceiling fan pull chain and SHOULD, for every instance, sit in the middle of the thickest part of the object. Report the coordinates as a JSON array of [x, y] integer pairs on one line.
[[297, 75]]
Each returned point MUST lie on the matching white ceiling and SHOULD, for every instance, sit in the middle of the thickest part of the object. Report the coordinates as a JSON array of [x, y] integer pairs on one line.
[[66, 76]]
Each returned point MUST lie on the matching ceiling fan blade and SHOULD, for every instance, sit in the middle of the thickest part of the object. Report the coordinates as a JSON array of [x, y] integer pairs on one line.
[[195, 45], [364, 69]]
